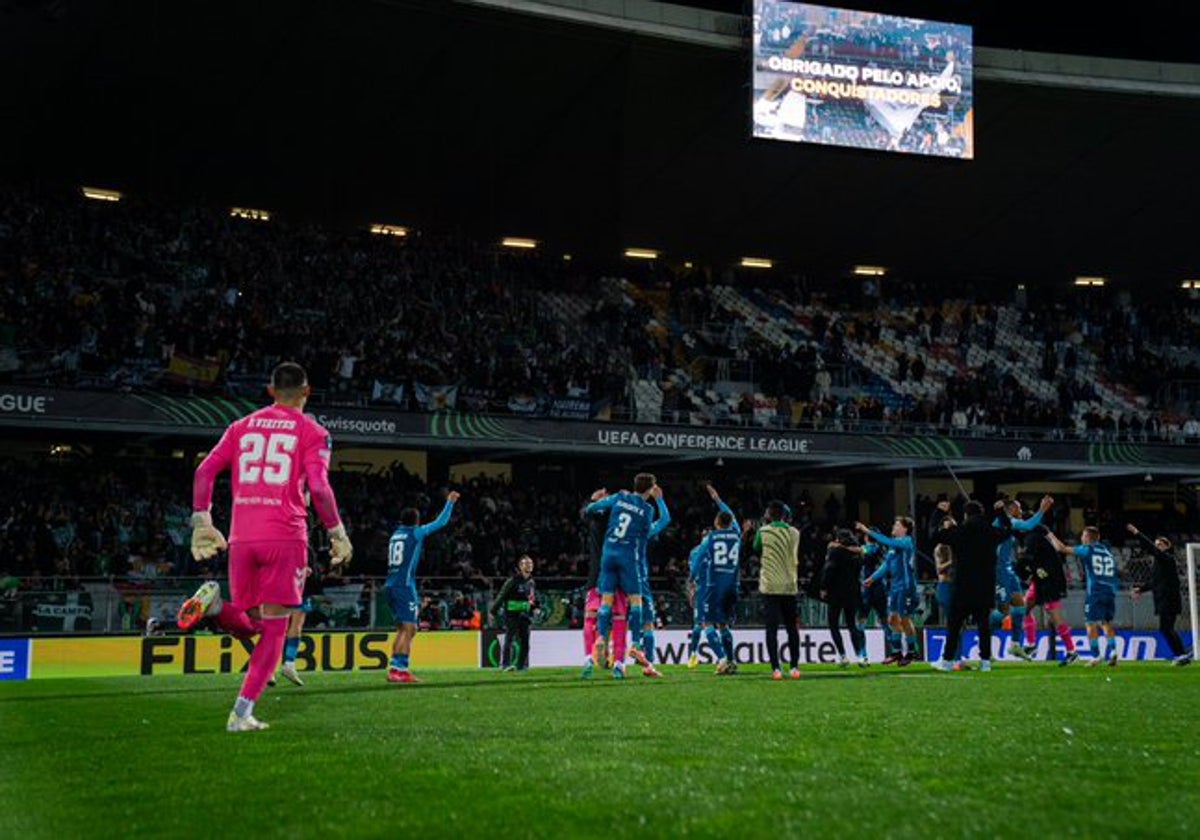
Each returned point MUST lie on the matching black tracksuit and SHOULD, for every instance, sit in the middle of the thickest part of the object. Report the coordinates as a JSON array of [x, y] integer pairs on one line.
[[974, 543], [1168, 603], [516, 600], [843, 593]]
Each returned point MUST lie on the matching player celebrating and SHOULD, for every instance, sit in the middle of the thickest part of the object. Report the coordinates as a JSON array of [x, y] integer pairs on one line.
[[278, 452], [900, 567], [1100, 568], [630, 526], [874, 600], [404, 555], [596, 525], [695, 581], [1010, 598], [1047, 590], [720, 552]]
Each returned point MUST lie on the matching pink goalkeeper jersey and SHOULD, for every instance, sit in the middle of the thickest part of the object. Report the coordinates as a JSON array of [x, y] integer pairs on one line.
[[273, 455]]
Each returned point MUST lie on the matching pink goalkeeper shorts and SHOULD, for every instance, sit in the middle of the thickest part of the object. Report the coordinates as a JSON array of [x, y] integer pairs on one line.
[[267, 573]]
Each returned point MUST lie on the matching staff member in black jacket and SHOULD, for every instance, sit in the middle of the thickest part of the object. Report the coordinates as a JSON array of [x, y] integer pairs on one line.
[[517, 599], [1165, 585], [974, 544], [841, 591]]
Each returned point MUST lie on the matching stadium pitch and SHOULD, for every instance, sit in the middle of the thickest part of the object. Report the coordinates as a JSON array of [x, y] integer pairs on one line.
[[1029, 750]]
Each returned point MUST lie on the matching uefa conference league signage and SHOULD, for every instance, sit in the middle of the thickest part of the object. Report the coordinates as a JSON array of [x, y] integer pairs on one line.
[[46, 408]]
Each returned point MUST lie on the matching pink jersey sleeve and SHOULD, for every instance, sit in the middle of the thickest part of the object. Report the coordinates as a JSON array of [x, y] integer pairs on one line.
[[215, 463], [317, 452]]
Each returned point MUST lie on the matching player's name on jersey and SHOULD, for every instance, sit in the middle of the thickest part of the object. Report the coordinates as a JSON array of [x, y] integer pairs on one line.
[[703, 442]]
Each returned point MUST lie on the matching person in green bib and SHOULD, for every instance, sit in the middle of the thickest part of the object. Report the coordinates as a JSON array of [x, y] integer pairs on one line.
[[778, 545], [517, 600]]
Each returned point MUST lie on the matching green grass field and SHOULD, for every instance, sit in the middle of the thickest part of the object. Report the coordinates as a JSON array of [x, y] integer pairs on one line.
[[1027, 750]]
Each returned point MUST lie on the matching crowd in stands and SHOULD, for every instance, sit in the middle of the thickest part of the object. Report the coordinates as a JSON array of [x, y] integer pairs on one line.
[[137, 296]]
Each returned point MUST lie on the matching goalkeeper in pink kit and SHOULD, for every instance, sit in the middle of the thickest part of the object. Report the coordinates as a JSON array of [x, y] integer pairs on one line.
[[273, 455]]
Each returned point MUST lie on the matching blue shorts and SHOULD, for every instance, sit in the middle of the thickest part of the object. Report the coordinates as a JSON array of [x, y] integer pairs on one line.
[[404, 602], [902, 602], [720, 605], [618, 570], [307, 605], [1007, 585], [1100, 607]]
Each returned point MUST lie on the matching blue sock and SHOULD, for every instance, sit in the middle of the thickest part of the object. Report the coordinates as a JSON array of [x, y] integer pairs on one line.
[[694, 641], [1094, 646], [727, 643], [290, 648], [1111, 647], [400, 661], [892, 641], [648, 645], [604, 621], [914, 646], [635, 625], [714, 642], [862, 653], [1018, 621]]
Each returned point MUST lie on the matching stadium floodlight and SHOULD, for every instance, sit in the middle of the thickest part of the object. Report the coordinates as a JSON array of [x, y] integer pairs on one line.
[[641, 253], [1090, 281], [869, 270], [518, 242], [98, 194], [566, 257], [388, 230], [250, 213], [1190, 285], [756, 262]]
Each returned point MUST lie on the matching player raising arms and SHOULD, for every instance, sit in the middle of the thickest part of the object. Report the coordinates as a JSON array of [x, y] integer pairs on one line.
[[1100, 568], [900, 567], [404, 555], [596, 524], [1010, 594], [275, 454], [631, 524], [716, 596], [1047, 590]]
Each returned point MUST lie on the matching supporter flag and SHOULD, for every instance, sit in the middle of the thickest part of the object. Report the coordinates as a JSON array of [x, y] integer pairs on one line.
[[435, 397], [387, 392], [193, 370]]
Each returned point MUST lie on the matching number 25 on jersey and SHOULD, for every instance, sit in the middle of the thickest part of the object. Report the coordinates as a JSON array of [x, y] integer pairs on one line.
[[266, 459]]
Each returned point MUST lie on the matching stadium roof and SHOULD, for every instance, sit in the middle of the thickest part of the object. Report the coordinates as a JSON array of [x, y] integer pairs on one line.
[[449, 116]]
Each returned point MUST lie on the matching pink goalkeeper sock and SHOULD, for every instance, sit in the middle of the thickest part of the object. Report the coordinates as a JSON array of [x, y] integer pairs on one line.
[[1064, 633], [236, 622], [1030, 626], [589, 635], [620, 635], [265, 658]]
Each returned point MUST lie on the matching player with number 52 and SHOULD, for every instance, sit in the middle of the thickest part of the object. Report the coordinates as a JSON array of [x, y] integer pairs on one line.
[[1100, 567], [273, 455]]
